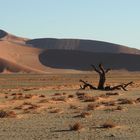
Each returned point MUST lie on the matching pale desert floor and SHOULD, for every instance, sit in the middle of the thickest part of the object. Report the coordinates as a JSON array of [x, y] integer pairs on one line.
[[46, 107]]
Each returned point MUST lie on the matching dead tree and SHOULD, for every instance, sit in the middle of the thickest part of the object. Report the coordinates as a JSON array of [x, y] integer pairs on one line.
[[102, 79]]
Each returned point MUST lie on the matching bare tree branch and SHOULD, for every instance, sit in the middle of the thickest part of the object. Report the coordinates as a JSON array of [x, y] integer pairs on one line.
[[102, 68], [86, 84], [123, 86], [107, 70], [95, 69]]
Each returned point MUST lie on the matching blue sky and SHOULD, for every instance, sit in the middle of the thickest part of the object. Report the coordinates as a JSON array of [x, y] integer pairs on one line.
[[116, 21]]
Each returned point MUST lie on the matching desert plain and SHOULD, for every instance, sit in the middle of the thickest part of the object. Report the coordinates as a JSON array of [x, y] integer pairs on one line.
[[52, 107]]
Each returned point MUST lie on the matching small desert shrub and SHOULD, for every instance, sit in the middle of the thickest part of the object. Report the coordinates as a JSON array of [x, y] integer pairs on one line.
[[81, 96], [18, 107], [64, 93], [57, 94], [103, 96], [28, 96], [26, 110], [6, 97], [70, 96], [90, 99], [18, 97], [73, 106], [33, 106], [5, 114], [19, 94], [85, 114], [111, 94], [80, 93], [137, 100], [76, 126], [126, 101], [56, 111], [13, 94], [27, 103], [108, 124], [92, 106], [42, 96], [27, 89], [109, 103], [62, 98], [44, 101], [12, 114], [119, 108]]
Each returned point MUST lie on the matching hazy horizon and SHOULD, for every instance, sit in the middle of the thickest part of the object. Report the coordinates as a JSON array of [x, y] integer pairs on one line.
[[110, 21]]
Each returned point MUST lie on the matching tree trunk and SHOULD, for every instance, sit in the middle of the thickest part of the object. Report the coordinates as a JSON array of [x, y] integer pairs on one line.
[[102, 74], [102, 81]]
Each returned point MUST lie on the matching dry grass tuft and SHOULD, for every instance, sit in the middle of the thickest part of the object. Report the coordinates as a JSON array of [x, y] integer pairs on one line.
[[119, 108], [73, 106], [81, 96], [85, 114], [92, 106], [18, 107], [44, 101], [6, 114], [108, 124], [64, 93], [3, 114], [57, 94], [112, 94], [42, 96], [56, 111], [27, 103], [62, 98], [76, 126], [103, 96], [70, 96], [6, 97], [80, 93], [109, 103], [18, 97], [33, 106], [126, 101], [90, 99], [28, 96], [12, 114], [137, 100]]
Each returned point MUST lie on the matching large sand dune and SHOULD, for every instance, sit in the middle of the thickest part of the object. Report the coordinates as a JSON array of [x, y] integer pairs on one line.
[[67, 55]]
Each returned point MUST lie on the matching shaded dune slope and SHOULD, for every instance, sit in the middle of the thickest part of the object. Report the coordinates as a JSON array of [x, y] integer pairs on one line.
[[78, 60]]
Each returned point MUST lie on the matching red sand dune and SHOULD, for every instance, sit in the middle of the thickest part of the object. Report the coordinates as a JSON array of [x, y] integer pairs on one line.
[[66, 55]]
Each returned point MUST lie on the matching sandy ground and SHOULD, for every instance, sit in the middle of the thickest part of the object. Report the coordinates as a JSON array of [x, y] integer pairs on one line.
[[46, 107]]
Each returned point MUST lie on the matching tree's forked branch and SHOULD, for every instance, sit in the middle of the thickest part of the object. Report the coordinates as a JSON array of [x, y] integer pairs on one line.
[[101, 68], [95, 69], [107, 70]]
